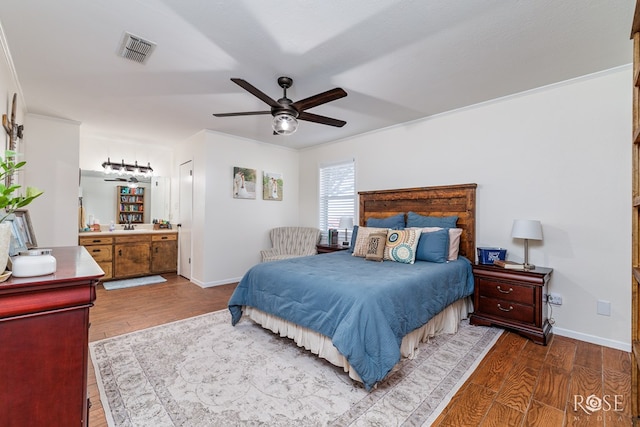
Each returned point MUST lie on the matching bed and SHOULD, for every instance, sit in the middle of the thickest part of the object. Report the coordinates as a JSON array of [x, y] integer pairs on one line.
[[360, 315]]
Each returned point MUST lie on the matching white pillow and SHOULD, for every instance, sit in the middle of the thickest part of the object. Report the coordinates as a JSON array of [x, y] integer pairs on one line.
[[454, 240]]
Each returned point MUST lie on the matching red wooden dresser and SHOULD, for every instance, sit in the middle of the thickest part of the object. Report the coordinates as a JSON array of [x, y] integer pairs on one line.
[[44, 338]]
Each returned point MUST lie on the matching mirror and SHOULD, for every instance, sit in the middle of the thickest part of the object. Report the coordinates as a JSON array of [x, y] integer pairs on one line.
[[101, 201]]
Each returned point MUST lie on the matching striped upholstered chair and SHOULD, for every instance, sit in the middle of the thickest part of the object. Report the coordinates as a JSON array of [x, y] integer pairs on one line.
[[291, 242]]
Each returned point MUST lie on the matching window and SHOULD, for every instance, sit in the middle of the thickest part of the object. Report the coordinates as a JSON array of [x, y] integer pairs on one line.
[[337, 194]]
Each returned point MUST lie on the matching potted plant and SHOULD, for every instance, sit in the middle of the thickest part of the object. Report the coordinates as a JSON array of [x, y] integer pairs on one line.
[[10, 200]]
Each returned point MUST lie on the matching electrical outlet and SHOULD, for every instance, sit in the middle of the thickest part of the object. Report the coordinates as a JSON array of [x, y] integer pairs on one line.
[[604, 308], [554, 299]]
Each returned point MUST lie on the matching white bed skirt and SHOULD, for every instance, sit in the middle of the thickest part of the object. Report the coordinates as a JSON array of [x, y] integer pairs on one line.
[[445, 322]]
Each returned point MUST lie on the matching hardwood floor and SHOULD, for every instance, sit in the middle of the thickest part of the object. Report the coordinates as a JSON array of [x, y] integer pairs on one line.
[[518, 383]]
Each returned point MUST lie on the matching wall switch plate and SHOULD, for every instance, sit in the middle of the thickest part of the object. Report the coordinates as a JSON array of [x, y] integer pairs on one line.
[[604, 308]]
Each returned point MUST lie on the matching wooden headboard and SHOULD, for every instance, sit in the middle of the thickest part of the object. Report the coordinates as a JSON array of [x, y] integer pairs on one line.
[[443, 200]]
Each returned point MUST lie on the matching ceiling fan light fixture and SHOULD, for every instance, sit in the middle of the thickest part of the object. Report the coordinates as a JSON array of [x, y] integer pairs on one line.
[[284, 124]]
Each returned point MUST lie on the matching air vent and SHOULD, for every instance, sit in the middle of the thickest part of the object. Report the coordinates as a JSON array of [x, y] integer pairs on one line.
[[136, 48]]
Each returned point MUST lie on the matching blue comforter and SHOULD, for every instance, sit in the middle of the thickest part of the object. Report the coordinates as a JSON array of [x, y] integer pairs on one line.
[[365, 307]]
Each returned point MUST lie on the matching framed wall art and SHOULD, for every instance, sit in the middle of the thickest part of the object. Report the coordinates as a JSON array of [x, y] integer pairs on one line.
[[272, 185], [244, 183]]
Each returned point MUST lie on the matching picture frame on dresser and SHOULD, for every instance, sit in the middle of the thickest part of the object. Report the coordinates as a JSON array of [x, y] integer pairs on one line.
[[25, 228], [18, 240]]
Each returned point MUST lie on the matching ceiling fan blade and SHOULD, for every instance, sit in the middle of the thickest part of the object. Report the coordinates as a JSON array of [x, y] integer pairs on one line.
[[255, 92], [321, 119], [319, 99], [246, 113]]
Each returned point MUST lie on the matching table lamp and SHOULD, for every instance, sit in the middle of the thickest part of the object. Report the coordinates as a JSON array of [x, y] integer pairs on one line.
[[346, 222], [526, 229]]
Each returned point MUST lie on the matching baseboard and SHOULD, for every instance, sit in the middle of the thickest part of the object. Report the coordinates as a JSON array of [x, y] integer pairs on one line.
[[618, 345], [215, 283]]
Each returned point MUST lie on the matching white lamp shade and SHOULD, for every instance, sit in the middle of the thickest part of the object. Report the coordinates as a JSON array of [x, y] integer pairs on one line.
[[526, 229], [346, 222]]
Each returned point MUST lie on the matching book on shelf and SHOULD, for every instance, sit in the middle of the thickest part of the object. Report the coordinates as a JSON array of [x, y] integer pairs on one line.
[[509, 265]]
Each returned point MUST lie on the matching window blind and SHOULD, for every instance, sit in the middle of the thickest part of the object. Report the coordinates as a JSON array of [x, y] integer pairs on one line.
[[337, 194]]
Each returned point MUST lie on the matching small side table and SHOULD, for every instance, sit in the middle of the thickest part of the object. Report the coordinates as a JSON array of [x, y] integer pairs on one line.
[[512, 299], [325, 249]]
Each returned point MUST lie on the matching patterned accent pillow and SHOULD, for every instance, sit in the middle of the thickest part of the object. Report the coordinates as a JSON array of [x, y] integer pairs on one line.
[[401, 245], [375, 250], [362, 239]]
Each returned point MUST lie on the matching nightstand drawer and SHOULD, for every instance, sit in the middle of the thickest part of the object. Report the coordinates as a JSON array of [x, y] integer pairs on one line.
[[507, 310], [506, 291]]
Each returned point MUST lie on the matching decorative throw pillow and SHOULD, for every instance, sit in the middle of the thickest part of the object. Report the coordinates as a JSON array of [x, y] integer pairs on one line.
[[433, 246], [395, 222], [362, 240], [401, 245], [354, 236], [417, 220], [375, 249], [454, 240]]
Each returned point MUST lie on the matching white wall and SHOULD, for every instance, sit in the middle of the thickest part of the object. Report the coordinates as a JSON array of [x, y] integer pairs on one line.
[[8, 86], [559, 154], [229, 233], [51, 149]]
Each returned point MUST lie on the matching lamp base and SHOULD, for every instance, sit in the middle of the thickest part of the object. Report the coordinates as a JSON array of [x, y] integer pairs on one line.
[[528, 267]]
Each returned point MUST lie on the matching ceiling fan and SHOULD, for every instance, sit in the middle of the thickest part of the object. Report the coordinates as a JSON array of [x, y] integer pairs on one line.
[[285, 112]]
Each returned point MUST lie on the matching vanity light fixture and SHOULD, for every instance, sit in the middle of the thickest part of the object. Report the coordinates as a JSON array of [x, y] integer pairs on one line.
[[108, 168], [127, 168]]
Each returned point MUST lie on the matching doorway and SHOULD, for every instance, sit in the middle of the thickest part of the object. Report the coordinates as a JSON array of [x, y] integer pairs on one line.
[[185, 215]]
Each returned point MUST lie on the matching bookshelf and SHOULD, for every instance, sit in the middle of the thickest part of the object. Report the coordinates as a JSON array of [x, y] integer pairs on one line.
[[130, 205]]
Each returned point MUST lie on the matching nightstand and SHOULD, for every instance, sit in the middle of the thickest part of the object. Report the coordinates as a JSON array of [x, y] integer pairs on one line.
[[325, 249], [512, 299]]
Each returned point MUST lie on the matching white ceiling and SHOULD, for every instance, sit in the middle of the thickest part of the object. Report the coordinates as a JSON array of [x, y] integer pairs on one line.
[[398, 60]]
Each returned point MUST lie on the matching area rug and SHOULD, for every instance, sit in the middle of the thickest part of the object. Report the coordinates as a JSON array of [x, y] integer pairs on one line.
[[204, 372], [130, 283]]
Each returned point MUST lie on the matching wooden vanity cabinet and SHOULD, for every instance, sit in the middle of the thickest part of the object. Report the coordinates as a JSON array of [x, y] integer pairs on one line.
[[122, 255], [101, 249], [132, 255], [164, 253]]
